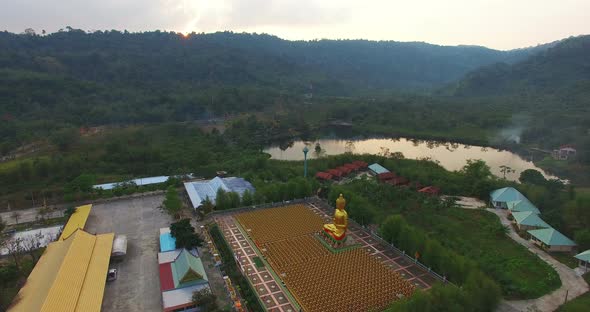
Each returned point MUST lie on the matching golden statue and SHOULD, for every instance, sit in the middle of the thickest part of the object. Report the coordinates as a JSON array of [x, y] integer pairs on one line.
[[338, 229]]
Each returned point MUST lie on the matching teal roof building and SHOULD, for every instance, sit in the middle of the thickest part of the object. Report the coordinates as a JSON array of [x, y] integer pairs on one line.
[[584, 256], [552, 240], [377, 168], [500, 197], [523, 205], [527, 220]]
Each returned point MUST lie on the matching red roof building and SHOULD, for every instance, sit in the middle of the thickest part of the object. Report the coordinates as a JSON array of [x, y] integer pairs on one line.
[[166, 279], [323, 176], [352, 167], [344, 170], [335, 173], [361, 164], [386, 176], [430, 190]]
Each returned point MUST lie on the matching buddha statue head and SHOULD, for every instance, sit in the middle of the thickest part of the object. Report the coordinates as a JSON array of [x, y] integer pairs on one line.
[[340, 202]]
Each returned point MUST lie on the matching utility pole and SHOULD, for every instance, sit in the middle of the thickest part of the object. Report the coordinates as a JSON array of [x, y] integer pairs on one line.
[[305, 150]]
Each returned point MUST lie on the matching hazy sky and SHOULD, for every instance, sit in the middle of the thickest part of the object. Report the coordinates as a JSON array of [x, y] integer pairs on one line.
[[500, 24]]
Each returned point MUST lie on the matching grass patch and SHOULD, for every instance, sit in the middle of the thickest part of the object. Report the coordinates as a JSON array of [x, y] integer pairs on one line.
[[475, 234], [565, 258], [583, 190], [580, 304], [480, 236], [258, 262]]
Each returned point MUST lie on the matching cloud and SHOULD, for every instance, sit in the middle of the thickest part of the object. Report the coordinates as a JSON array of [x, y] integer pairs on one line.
[[178, 15], [493, 23], [251, 14]]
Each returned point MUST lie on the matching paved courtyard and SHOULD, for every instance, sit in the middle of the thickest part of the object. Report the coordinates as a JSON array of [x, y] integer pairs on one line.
[[137, 287], [268, 285]]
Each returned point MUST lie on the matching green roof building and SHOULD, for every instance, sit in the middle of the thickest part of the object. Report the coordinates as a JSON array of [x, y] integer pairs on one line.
[[500, 197], [187, 270], [552, 240], [528, 220]]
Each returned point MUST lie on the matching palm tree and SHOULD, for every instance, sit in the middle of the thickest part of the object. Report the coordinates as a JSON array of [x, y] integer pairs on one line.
[[505, 169]]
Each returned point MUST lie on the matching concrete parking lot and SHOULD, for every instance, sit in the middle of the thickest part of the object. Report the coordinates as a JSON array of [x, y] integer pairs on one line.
[[137, 287]]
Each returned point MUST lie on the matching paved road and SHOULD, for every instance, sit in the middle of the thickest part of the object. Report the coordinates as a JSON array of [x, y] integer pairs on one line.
[[27, 215], [31, 214], [572, 284]]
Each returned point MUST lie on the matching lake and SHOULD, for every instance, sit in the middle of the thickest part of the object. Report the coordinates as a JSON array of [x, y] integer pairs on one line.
[[452, 156]]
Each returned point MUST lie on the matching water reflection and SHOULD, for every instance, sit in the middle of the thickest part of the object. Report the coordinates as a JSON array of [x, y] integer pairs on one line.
[[452, 156]]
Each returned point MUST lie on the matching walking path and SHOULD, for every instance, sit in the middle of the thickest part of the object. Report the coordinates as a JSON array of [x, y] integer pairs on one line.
[[572, 284], [266, 285]]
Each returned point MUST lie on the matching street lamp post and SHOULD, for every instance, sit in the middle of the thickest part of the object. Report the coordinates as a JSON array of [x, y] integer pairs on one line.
[[305, 150]]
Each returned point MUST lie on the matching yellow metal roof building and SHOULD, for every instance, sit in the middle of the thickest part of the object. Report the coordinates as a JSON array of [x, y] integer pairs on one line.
[[77, 221], [70, 276]]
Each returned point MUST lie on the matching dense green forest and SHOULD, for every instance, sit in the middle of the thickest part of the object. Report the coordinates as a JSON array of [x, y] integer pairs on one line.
[[73, 78], [563, 67], [267, 90]]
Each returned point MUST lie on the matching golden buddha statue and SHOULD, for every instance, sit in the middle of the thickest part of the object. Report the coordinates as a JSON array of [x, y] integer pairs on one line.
[[338, 229]]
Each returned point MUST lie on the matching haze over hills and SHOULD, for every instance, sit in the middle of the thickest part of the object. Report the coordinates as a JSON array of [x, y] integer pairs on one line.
[[561, 68]]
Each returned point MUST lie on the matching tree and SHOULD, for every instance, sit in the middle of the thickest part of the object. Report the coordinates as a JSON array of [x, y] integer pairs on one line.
[[221, 200], [82, 183], [31, 244], [234, 199], [15, 215], [532, 176], [3, 238], [207, 205], [15, 249], [185, 235], [172, 202], [205, 300], [43, 212], [25, 170], [582, 238], [65, 138], [69, 212], [505, 169], [247, 198], [476, 169]]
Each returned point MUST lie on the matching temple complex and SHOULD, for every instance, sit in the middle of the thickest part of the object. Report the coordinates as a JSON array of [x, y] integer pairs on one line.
[[301, 258]]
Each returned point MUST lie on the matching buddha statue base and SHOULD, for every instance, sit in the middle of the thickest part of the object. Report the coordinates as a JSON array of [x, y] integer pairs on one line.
[[334, 245]]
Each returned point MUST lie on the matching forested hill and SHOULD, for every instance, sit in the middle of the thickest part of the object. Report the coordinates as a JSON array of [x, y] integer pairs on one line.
[[331, 67], [562, 70]]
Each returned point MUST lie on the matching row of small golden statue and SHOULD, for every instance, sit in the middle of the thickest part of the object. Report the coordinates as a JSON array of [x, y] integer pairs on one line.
[[336, 232]]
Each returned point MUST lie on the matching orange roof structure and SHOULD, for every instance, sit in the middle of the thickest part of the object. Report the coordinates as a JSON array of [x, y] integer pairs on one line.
[[70, 275], [77, 221]]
